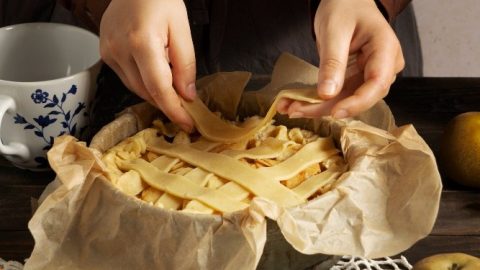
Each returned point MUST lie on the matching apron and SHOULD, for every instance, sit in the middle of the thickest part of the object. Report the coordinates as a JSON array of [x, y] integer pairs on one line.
[[228, 35], [22, 11]]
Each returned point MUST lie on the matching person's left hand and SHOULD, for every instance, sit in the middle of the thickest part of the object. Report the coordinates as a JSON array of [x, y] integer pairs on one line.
[[343, 28]]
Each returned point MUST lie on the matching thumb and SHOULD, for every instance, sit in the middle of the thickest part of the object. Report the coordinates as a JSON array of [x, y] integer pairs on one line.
[[333, 47]]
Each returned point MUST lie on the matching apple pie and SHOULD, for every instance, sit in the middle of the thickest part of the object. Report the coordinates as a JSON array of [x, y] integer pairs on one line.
[[224, 165]]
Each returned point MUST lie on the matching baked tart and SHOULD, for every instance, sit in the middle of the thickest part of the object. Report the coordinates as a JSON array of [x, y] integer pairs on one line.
[[226, 164]]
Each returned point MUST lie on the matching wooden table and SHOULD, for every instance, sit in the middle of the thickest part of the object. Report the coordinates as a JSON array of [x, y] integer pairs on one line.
[[428, 103]]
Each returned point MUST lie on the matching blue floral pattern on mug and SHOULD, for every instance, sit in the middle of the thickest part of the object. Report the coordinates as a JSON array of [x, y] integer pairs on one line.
[[39, 96], [57, 113]]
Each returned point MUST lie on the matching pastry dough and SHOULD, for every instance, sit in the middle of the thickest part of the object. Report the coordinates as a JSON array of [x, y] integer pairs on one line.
[[229, 168], [228, 165], [215, 129]]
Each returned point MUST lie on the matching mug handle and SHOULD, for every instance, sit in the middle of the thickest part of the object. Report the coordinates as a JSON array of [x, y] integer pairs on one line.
[[14, 148]]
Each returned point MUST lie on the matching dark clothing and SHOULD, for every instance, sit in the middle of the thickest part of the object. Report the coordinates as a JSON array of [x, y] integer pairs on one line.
[[22, 11], [407, 32], [250, 34], [228, 35]]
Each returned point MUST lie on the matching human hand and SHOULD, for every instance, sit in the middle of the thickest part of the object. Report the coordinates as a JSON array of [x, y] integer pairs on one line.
[[138, 39], [342, 28]]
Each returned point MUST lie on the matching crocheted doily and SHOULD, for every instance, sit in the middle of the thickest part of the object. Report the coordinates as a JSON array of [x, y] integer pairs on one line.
[[10, 265], [357, 263], [346, 263]]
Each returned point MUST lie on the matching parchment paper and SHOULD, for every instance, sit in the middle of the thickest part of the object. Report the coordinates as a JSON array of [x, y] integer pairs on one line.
[[386, 202]]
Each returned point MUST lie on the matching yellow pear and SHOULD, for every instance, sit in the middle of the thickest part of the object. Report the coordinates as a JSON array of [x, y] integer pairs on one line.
[[448, 261], [460, 149]]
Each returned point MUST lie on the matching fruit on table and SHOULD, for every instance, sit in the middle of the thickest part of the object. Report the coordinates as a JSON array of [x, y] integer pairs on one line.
[[460, 149], [448, 261]]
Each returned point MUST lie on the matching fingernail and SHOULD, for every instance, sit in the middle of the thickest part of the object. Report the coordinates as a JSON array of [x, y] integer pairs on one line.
[[340, 114], [327, 87], [296, 115], [191, 91]]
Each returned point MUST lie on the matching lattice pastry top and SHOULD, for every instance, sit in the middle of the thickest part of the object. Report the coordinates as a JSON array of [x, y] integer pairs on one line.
[[223, 173]]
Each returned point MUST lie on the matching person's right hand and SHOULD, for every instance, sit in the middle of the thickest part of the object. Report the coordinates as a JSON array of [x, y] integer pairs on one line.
[[139, 40]]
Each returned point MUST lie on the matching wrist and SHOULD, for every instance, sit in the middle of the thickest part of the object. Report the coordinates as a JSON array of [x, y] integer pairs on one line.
[[313, 6]]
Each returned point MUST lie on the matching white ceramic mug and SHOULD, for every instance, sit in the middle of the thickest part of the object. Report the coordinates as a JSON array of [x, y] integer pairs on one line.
[[47, 82]]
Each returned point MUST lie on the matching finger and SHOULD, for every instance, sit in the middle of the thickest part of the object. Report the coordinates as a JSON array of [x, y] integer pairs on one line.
[[299, 109], [132, 74], [333, 45], [378, 74], [157, 77], [167, 54], [283, 105], [112, 56], [325, 108], [393, 79], [182, 56], [399, 61]]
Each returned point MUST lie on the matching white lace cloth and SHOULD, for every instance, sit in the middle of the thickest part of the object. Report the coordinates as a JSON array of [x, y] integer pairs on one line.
[[357, 263], [346, 263], [10, 265]]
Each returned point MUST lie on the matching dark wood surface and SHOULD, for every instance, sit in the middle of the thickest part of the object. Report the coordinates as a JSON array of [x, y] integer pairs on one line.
[[428, 103]]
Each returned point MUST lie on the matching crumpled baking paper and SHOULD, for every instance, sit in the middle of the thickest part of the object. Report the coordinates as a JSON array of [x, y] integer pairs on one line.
[[387, 200]]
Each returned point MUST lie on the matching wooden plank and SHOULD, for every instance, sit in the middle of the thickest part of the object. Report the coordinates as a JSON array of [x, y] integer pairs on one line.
[[435, 244], [436, 83], [435, 95], [15, 245], [459, 214], [279, 254], [11, 175], [455, 206], [427, 103], [430, 103], [15, 206]]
